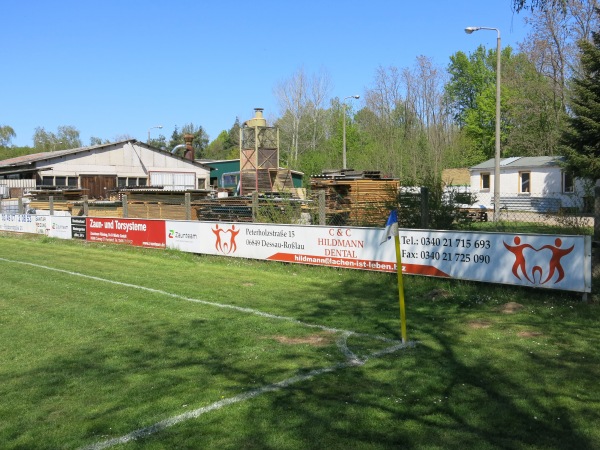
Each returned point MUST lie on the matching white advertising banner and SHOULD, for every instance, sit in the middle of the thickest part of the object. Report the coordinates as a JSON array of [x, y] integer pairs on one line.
[[19, 223], [60, 227], [53, 226], [546, 261]]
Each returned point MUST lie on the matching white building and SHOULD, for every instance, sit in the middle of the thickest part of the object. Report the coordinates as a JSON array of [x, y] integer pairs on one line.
[[530, 183], [103, 168]]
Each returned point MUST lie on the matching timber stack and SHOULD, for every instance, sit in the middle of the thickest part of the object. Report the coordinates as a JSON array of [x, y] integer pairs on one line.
[[358, 198]]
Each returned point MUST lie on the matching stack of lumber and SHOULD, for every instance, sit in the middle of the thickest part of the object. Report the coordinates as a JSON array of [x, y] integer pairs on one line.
[[228, 209], [357, 198], [159, 204], [97, 209], [62, 199]]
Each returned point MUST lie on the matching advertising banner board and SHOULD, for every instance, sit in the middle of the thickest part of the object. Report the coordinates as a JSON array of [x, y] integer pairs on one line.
[[18, 223], [544, 261], [141, 233]]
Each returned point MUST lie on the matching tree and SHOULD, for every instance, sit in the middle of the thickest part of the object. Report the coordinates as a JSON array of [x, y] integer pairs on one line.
[[471, 95], [65, 138], [97, 141], [582, 138], [199, 143], [552, 42], [519, 5], [6, 135], [533, 115], [159, 142], [301, 100], [226, 145]]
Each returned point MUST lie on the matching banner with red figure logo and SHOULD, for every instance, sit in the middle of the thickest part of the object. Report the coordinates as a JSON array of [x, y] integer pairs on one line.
[[546, 261]]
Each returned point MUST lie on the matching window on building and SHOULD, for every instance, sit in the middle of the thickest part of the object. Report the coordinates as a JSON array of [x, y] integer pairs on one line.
[[525, 182], [47, 181], [485, 181], [121, 181], [568, 184], [72, 181], [60, 181], [142, 181]]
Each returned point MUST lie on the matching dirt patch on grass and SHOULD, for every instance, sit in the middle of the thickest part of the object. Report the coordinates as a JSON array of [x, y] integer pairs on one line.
[[247, 284], [479, 324], [317, 340], [438, 294], [529, 334], [511, 308]]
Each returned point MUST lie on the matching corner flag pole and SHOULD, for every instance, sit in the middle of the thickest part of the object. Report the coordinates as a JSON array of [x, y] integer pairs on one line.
[[400, 286], [391, 229]]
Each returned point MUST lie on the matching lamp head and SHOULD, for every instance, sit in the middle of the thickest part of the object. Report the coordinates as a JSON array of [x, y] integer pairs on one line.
[[469, 30]]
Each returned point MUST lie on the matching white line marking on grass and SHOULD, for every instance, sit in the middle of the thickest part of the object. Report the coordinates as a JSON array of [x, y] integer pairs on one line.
[[352, 359], [204, 302], [163, 424]]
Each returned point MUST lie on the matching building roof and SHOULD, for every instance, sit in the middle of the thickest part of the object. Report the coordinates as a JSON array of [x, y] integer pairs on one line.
[[28, 160], [456, 177], [528, 162]]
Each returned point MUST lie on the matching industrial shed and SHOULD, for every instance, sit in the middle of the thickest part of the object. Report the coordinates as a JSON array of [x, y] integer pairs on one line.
[[97, 170]]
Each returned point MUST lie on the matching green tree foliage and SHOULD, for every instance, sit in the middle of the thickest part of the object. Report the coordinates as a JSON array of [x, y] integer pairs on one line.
[[471, 94], [582, 137], [6, 135], [533, 114], [200, 141], [66, 137], [97, 141], [226, 145], [159, 142]]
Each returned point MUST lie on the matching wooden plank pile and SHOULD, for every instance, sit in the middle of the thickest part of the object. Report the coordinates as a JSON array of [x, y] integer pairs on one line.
[[62, 199], [356, 198], [228, 209]]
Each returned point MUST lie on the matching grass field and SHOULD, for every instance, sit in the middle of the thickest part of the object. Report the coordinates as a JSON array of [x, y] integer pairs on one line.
[[111, 346]]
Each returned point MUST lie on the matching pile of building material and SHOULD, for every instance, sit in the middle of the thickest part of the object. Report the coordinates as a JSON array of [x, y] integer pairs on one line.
[[360, 198], [56, 199]]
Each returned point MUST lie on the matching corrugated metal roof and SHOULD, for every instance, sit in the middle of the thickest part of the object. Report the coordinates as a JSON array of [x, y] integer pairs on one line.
[[521, 162], [27, 160], [35, 157], [508, 161]]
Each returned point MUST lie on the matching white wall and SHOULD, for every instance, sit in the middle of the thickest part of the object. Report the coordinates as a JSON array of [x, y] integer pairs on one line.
[[125, 160], [544, 182]]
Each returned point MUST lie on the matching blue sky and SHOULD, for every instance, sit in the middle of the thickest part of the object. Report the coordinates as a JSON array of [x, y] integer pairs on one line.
[[119, 67]]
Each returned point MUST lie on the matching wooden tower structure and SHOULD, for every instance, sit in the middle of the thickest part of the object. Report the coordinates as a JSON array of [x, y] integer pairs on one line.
[[259, 155]]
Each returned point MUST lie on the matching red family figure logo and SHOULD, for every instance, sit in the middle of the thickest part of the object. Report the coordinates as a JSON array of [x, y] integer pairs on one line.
[[538, 265], [225, 244]]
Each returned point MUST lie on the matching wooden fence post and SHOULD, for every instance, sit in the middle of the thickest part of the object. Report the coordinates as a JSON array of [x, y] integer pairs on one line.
[[322, 208], [254, 205], [596, 238], [188, 206], [424, 207], [51, 204], [86, 206], [125, 206]]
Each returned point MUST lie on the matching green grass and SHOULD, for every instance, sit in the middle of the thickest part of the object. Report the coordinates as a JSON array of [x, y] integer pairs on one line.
[[84, 360]]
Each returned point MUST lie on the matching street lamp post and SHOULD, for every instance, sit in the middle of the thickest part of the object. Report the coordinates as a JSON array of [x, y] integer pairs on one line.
[[469, 30], [344, 130], [151, 128]]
